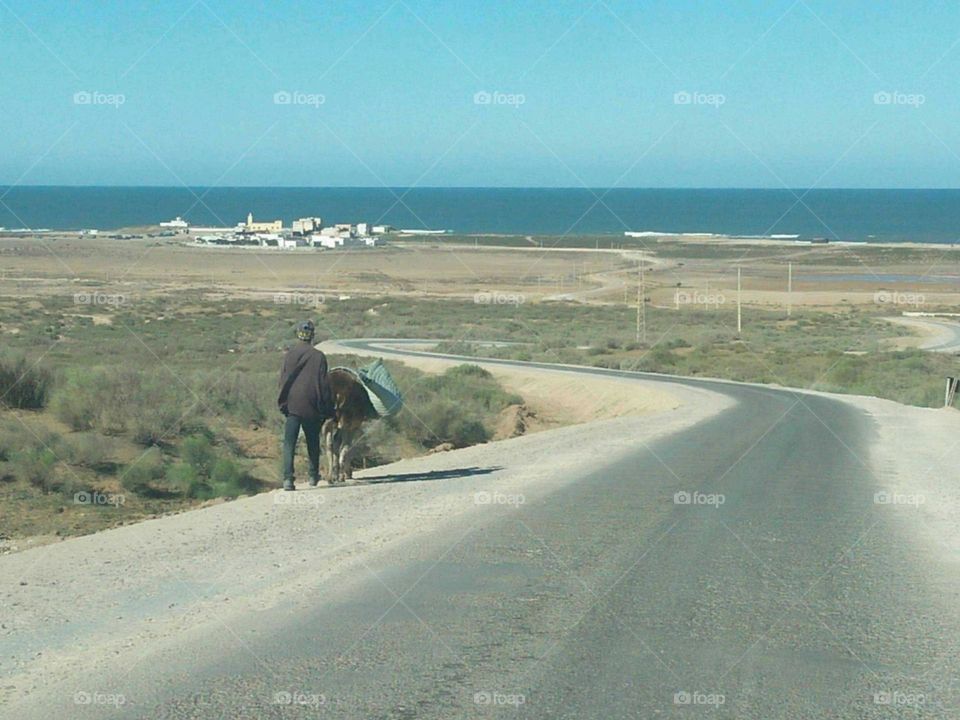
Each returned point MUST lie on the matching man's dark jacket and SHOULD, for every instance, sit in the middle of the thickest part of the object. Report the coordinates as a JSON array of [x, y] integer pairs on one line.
[[304, 387]]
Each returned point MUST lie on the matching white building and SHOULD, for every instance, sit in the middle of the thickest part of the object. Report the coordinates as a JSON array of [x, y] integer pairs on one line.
[[305, 226], [179, 225]]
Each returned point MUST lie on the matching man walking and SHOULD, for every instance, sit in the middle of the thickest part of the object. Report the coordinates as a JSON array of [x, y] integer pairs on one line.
[[306, 401]]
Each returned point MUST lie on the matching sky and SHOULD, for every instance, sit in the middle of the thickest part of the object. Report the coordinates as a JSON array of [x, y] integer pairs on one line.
[[566, 93]]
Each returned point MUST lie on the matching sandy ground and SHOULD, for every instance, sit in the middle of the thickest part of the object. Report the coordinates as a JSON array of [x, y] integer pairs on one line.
[[102, 601], [133, 268], [915, 460]]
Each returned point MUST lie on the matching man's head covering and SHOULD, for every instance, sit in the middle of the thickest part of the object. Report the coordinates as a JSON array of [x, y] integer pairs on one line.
[[306, 330]]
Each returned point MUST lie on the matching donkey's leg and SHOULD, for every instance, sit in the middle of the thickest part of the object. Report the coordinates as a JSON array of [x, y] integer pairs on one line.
[[330, 449], [347, 439]]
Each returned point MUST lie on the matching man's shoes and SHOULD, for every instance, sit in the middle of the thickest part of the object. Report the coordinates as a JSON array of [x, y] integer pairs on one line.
[[288, 485], [314, 481]]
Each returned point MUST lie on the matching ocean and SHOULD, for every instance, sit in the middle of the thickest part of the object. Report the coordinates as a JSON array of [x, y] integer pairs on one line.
[[931, 216]]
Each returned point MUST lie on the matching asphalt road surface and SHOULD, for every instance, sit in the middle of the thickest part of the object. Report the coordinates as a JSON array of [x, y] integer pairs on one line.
[[739, 569], [945, 334], [948, 339]]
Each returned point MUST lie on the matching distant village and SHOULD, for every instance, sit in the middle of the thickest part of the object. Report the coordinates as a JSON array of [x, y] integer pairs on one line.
[[305, 233]]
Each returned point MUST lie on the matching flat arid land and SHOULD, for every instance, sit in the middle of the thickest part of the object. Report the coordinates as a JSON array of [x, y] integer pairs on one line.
[[778, 465]]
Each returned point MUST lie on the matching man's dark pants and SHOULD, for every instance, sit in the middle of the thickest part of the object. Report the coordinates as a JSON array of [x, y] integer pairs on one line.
[[311, 432]]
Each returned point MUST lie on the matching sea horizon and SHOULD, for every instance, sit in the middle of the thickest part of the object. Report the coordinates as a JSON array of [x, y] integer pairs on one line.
[[928, 215]]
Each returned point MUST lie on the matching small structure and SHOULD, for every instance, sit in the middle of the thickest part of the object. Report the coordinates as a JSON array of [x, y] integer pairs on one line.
[[331, 241], [274, 226], [179, 225], [306, 226]]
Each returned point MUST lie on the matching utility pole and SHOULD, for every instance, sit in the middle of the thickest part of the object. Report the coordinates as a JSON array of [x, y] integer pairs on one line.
[[739, 316], [641, 308], [643, 302], [789, 288], [638, 313]]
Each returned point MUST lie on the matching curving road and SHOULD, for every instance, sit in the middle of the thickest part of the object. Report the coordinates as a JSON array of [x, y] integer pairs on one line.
[[942, 335], [781, 590]]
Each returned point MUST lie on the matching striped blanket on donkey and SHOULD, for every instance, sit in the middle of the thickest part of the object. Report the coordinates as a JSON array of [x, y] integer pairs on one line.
[[383, 392], [359, 395]]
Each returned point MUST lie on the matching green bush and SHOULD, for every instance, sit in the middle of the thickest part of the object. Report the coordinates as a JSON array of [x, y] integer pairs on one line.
[[35, 465], [443, 421], [242, 396], [24, 384], [204, 473], [11, 438], [141, 476], [89, 451], [229, 479], [150, 408], [185, 478], [75, 401], [197, 452]]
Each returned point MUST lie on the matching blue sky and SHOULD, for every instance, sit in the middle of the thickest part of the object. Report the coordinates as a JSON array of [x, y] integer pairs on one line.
[[572, 93]]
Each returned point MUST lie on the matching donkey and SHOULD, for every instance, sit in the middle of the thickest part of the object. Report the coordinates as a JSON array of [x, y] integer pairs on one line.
[[341, 432]]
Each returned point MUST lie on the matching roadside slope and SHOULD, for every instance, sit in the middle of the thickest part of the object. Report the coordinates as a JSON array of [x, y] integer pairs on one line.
[[107, 601]]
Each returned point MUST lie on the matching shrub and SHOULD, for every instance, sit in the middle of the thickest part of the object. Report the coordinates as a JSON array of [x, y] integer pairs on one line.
[[159, 411], [198, 453], [242, 396], [203, 473], [89, 451], [442, 421], [24, 384], [187, 480], [11, 438], [75, 401], [35, 465], [230, 480], [150, 408], [140, 476]]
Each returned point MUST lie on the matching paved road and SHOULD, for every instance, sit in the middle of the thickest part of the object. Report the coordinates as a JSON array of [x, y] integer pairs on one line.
[[781, 591], [945, 336]]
